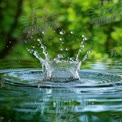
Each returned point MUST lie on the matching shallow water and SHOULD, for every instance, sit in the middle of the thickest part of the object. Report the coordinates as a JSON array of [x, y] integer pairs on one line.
[[96, 97]]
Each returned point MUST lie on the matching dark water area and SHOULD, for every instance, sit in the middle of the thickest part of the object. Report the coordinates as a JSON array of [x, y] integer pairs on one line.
[[96, 97]]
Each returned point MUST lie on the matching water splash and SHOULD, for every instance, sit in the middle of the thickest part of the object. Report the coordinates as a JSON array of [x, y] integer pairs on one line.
[[58, 69]]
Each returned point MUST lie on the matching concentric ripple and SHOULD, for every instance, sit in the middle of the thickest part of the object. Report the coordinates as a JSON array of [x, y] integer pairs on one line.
[[35, 78], [96, 97]]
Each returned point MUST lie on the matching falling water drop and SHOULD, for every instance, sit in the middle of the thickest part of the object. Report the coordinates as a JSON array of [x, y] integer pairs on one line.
[[84, 37], [72, 32], [60, 39], [33, 47], [62, 32], [43, 32], [61, 49]]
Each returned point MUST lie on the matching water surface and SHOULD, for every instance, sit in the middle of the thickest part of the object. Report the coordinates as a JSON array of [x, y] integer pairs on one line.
[[96, 97]]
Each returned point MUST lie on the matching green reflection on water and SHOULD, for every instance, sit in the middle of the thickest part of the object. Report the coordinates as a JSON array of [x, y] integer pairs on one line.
[[19, 104]]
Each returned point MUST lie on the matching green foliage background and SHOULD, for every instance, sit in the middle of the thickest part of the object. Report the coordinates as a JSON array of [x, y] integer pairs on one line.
[[99, 21]]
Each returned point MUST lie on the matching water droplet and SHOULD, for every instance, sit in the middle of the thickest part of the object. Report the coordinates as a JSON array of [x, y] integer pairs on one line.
[[61, 39], [82, 46], [61, 49], [60, 56], [29, 50], [38, 40], [72, 32], [84, 37], [43, 32], [72, 59], [62, 32]]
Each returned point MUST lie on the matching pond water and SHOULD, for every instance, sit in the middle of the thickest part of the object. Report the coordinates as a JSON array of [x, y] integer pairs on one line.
[[95, 97]]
